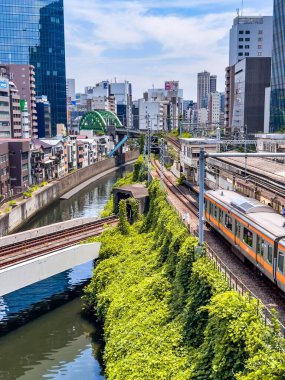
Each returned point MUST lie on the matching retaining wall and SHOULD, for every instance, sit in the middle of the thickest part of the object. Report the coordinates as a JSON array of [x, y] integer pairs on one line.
[[19, 215]]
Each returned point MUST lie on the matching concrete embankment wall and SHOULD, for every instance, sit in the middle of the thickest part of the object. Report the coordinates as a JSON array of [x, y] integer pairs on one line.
[[19, 215]]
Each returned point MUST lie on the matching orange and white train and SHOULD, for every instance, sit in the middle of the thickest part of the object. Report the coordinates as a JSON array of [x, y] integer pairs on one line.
[[254, 230]]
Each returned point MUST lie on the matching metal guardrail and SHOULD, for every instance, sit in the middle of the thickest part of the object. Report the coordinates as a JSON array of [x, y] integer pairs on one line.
[[233, 281]]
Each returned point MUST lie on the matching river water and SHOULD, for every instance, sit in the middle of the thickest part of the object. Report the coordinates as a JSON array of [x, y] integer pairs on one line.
[[44, 335]]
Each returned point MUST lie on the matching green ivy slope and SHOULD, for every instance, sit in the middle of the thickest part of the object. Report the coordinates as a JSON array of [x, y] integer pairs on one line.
[[169, 315]]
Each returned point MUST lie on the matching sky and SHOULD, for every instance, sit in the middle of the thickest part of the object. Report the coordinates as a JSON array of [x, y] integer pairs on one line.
[[148, 42]]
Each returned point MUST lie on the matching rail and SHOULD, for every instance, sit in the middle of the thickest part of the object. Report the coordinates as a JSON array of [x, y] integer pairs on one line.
[[233, 281], [39, 246]]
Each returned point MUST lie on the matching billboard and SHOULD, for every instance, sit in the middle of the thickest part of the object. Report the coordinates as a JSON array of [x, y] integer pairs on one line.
[[23, 105], [172, 85], [3, 84]]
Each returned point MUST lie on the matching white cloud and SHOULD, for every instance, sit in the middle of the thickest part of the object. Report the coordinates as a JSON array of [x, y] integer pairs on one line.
[[100, 35]]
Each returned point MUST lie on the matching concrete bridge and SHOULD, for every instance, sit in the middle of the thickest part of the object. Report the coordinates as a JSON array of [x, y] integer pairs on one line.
[[32, 256]]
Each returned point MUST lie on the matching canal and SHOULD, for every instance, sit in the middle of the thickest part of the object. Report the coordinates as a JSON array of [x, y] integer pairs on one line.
[[44, 335]]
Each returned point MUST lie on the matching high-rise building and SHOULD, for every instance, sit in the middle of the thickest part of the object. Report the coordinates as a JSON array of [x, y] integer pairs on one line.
[[215, 109], [24, 78], [277, 101], [44, 116], [252, 77], [70, 89], [33, 34], [213, 83], [250, 37], [203, 88], [123, 95]]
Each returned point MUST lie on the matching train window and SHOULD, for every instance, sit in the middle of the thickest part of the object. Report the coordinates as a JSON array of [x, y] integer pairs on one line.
[[260, 246], [221, 216], [281, 262], [229, 222], [211, 209], [270, 254], [215, 212], [247, 237]]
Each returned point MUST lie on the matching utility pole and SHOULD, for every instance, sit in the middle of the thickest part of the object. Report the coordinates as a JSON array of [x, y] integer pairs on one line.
[[161, 163], [148, 151]]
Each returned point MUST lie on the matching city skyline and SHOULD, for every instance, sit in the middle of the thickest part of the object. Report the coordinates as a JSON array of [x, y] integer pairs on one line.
[[147, 42]]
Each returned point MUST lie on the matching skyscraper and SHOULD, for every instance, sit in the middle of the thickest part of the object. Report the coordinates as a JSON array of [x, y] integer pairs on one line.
[[277, 102], [203, 87], [250, 37], [213, 83], [33, 33]]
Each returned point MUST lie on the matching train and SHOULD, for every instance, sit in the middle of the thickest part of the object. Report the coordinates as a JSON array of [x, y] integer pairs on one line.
[[254, 230]]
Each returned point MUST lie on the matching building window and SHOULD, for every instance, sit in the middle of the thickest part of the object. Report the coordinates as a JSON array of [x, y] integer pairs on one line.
[[260, 32], [246, 46], [240, 54], [260, 39], [247, 39], [247, 32], [246, 54], [50, 50], [259, 47], [240, 39], [240, 46], [241, 32], [259, 54]]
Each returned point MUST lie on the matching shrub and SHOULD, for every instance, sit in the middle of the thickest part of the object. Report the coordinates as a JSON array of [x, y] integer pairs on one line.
[[27, 194], [12, 203]]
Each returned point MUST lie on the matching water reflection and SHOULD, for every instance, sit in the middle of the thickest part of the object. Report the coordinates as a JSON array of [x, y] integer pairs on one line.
[[18, 307], [88, 203], [58, 344]]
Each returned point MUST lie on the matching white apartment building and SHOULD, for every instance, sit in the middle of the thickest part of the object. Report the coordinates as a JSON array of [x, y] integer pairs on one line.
[[202, 116], [215, 109], [151, 114], [203, 88], [70, 89], [250, 37]]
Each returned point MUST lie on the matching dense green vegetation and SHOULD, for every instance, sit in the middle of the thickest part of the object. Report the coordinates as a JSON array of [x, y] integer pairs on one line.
[[168, 314], [139, 174]]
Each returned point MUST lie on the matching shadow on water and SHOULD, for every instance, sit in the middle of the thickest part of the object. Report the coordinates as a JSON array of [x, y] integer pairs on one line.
[[59, 344]]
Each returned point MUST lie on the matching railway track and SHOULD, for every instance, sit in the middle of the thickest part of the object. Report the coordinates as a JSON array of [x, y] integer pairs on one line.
[[19, 252], [247, 279], [174, 142]]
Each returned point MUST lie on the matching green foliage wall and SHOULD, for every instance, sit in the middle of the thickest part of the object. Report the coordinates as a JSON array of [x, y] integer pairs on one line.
[[168, 314]]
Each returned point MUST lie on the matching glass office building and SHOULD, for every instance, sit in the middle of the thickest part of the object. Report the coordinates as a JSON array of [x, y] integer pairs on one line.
[[277, 102], [32, 32]]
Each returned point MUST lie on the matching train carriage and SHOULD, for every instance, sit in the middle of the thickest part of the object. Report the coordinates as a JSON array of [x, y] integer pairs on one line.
[[255, 230]]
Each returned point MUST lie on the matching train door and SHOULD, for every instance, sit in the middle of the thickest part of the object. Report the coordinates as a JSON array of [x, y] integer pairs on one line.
[[221, 218], [237, 231], [280, 270], [260, 244]]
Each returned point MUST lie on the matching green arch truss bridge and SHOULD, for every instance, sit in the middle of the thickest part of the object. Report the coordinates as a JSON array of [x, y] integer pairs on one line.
[[99, 120]]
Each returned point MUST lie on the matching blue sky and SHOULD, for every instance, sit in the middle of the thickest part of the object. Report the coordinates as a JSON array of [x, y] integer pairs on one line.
[[151, 41]]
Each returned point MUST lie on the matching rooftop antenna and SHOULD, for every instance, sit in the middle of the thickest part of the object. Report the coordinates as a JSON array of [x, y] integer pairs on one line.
[[237, 12], [241, 7]]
